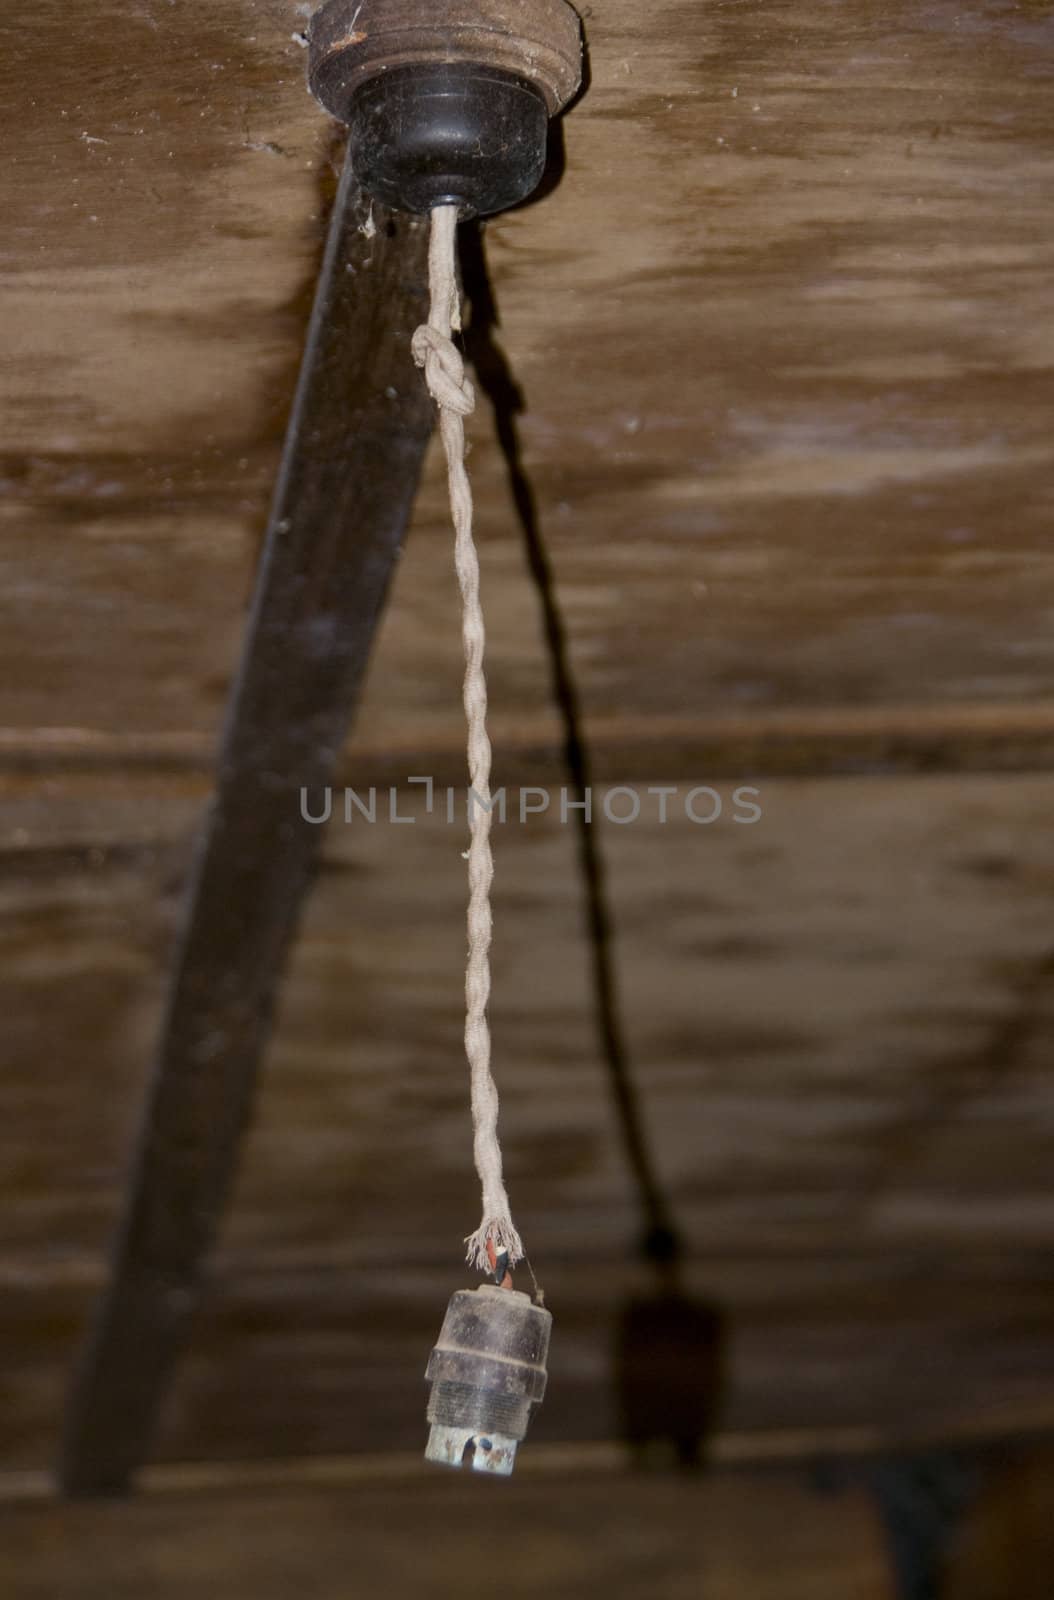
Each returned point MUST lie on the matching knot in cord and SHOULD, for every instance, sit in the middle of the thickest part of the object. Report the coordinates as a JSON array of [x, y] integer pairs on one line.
[[444, 370], [496, 1239]]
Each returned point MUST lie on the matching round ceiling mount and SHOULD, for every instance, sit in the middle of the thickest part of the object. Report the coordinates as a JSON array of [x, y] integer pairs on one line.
[[446, 104]]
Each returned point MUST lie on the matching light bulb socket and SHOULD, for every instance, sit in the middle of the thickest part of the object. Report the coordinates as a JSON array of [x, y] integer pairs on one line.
[[487, 1372]]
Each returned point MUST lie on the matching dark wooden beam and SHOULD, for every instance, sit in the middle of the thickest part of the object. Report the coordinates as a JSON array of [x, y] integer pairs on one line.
[[357, 435]]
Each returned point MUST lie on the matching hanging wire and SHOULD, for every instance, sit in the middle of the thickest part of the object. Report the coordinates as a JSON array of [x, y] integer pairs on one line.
[[495, 1243], [659, 1241]]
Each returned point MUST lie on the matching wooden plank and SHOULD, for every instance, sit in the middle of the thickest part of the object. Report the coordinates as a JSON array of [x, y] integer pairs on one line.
[[795, 994], [782, 335], [833, 741], [357, 435], [435, 1534], [781, 332]]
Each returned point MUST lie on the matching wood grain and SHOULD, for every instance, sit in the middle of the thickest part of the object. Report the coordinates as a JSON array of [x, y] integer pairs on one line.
[[801, 998], [786, 370], [782, 330], [424, 1538]]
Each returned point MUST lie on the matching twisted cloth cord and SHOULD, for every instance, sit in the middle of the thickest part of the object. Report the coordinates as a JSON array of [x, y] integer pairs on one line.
[[434, 350]]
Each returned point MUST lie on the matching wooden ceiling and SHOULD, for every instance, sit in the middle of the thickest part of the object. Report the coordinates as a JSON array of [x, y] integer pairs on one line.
[[783, 330]]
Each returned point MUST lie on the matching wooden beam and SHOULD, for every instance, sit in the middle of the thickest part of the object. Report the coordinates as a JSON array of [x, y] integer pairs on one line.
[[355, 443]]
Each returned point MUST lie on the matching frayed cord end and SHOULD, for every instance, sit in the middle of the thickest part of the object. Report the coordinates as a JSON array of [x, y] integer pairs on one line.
[[501, 1233]]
